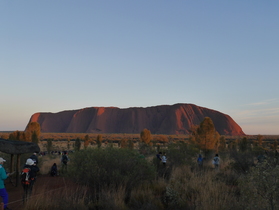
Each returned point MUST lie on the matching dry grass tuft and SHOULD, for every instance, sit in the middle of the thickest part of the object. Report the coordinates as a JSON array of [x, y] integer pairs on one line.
[[68, 197]]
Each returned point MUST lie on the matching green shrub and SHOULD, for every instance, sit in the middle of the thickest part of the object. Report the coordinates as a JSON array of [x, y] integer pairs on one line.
[[181, 153], [260, 187], [99, 140], [110, 168], [188, 190], [77, 144], [71, 197], [145, 197], [242, 161]]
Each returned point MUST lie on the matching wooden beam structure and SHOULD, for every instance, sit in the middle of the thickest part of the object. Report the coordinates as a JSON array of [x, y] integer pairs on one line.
[[13, 148]]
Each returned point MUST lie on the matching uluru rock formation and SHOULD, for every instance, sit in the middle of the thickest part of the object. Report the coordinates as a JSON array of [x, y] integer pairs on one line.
[[164, 119]]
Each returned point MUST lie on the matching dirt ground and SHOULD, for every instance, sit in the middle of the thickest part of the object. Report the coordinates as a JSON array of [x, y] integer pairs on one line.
[[46, 182]]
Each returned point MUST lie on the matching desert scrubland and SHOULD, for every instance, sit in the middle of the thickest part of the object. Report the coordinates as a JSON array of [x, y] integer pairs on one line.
[[121, 171]]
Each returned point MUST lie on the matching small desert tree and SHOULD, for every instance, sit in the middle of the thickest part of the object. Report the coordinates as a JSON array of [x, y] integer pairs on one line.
[[124, 143], [131, 144], [206, 136], [99, 140], [244, 144], [193, 133], [77, 144], [34, 138], [145, 142], [68, 143], [86, 141], [222, 144], [49, 145], [31, 128], [12, 136], [145, 136], [17, 135]]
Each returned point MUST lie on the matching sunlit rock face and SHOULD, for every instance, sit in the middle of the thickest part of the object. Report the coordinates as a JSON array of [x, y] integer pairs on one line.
[[164, 119]]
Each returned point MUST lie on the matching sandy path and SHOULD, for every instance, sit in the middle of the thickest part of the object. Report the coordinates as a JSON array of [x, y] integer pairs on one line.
[[44, 184]]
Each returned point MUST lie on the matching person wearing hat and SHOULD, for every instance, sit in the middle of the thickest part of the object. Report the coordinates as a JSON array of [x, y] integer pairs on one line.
[[34, 157], [34, 169], [3, 176]]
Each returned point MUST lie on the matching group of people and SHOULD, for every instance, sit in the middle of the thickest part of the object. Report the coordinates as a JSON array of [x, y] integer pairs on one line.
[[64, 163], [215, 161], [28, 175], [162, 158], [28, 178], [30, 171]]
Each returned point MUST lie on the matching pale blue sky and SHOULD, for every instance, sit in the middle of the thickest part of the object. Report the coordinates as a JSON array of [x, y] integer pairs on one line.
[[65, 55]]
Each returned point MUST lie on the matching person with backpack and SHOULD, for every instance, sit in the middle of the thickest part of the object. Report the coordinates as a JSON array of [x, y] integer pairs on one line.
[[216, 162], [28, 177], [3, 191]]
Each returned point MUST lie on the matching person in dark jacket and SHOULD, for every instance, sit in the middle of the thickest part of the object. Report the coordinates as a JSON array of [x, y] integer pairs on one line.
[[53, 170], [158, 159], [28, 180], [64, 162]]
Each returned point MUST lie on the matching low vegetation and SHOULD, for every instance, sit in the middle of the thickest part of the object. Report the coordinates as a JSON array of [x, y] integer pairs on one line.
[[122, 172], [119, 178]]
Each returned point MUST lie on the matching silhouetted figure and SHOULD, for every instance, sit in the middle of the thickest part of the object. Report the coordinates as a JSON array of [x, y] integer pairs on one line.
[[159, 156], [64, 162], [200, 161], [216, 162], [53, 170]]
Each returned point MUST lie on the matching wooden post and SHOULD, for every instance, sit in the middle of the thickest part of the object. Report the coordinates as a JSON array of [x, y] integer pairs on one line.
[[12, 164], [17, 169]]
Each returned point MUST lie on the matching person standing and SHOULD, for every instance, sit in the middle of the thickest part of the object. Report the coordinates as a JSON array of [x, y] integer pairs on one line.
[[216, 162], [200, 161], [64, 162], [28, 177], [34, 157], [159, 156], [158, 159], [164, 159], [3, 191]]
